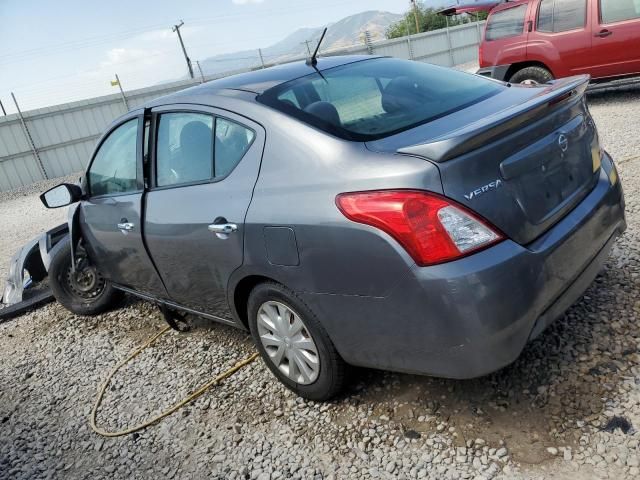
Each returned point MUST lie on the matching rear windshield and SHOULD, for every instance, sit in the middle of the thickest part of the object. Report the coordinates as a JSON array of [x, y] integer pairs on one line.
[[373, 99], [505, 23]]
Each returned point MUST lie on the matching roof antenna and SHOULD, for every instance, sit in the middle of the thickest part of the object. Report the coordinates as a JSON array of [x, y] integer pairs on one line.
[[312, 60]]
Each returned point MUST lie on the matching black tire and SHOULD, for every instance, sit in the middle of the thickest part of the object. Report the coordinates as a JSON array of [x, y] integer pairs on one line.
[[332, 372], [85, 297], [534, 74]]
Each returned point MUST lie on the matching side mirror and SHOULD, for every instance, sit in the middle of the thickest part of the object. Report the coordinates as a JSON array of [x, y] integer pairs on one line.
[[61, 195]]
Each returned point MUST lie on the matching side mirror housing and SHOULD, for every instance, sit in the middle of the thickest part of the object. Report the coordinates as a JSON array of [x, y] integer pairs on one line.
[[61, 195]]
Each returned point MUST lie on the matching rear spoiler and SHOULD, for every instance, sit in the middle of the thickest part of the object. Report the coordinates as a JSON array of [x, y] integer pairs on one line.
[[474, 135], [470, 7]]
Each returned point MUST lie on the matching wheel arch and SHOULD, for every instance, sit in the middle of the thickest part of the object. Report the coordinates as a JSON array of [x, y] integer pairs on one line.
[[240, 295]]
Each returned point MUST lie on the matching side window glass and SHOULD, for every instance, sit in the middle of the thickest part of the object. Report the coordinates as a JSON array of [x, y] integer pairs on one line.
[[232, 142], [619, 10], [545, 16], [506, 23], [569, 15], [114, 167], [184, 148], [562, 15]]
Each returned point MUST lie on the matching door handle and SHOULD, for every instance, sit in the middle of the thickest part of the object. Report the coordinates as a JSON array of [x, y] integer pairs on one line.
[[126, 226], [603, 33], [224, 228]]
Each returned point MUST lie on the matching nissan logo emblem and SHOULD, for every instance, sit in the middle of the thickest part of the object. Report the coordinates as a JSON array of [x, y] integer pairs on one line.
[[563, 142]]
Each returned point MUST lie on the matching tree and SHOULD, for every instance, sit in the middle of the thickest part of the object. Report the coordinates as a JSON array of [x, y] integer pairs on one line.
[[428, 19]]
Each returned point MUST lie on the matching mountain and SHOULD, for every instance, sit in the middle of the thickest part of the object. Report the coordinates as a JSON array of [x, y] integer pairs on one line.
[[348, 31]]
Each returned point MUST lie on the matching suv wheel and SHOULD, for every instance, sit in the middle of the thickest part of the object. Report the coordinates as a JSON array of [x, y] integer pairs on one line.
[[531, 76], [293, 344], [83, 291]]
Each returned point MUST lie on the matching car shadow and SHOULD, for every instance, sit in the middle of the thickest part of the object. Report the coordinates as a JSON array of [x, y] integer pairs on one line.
[[614, 94], [554, 392]]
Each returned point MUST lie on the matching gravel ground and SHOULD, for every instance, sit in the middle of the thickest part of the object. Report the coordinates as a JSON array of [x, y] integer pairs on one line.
[[568, 408]]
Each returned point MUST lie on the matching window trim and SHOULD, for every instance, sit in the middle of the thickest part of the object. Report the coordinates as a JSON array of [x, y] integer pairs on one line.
[[524, 22], [553, 32], [601, 23], [155, 123], [139, 149]]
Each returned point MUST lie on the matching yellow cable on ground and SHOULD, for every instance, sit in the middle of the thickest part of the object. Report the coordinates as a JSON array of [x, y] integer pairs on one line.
[[191, 397]]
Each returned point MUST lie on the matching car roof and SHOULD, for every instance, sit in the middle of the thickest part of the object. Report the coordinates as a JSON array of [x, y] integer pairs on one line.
[[258, 81]]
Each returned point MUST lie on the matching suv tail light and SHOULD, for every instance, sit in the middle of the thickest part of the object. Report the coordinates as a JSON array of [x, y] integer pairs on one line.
[[432, 229], [480, 54]]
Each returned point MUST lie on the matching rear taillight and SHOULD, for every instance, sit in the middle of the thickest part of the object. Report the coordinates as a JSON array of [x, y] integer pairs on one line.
[[480, 55], [433, 229]]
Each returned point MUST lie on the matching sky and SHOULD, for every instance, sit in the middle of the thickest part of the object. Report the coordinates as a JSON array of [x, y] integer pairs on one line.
[[55, 51]]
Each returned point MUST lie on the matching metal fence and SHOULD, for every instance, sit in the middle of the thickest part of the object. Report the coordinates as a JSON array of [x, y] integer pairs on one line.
[[56, 141]]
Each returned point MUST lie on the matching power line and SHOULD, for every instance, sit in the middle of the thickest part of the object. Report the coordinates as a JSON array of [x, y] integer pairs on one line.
[[98, 40]]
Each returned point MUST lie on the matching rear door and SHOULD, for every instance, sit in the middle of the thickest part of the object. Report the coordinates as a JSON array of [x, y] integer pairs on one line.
[[205, 165], [616, 37], [111, 216], [561, 37]]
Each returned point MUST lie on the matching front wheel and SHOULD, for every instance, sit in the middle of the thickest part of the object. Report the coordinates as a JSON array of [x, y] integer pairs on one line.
[[293, 343], [83, 290], [531, 76]]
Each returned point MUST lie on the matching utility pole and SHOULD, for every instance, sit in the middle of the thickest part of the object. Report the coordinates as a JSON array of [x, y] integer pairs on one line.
[[415, 15], [306, 42], [124, 98], [261, 59], [200, 70], [176, 28]]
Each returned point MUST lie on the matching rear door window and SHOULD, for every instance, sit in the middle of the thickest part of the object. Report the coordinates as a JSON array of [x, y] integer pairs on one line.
[[506, 23], [184, 151], [612, 11], [231, 143], [561, 15]]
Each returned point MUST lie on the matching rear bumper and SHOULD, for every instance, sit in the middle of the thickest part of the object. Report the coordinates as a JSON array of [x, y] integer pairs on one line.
[[468, 318], [499, 72]]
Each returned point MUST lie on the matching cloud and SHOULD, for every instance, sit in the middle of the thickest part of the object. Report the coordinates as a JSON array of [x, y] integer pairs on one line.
[[245, 2]]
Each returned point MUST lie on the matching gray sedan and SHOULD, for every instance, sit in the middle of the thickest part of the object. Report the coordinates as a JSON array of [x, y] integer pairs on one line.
[[359, 211]]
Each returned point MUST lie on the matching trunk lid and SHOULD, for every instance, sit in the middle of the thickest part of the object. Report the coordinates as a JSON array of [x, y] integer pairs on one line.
[[523, 167]]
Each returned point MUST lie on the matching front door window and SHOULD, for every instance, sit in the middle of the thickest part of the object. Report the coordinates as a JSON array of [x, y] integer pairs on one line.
[[114, 168]]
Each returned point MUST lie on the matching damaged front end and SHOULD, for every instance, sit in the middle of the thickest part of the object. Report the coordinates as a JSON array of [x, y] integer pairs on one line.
[[26, 285]]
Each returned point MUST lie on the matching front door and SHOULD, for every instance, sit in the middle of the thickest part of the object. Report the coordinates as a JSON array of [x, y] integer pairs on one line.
[[110, 219], [206, 164], [616, 40]]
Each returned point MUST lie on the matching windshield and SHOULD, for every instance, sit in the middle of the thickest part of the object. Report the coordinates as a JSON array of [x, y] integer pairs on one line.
[[372, 99]]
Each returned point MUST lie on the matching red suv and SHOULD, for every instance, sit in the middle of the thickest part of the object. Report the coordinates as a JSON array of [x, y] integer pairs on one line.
[[539, 40]]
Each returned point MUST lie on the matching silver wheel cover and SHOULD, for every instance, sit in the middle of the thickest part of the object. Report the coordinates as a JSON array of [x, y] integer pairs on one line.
[[288, 343]]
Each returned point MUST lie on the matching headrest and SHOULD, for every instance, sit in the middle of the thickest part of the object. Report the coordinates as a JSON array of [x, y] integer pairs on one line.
[[324, 111], [195, 132], [401, 93]]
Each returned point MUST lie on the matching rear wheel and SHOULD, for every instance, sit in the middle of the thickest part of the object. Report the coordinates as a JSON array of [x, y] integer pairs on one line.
[[531, 76], [82, 290], [293, 343]]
